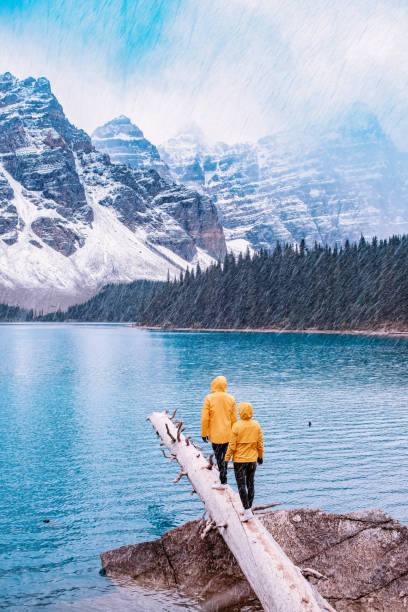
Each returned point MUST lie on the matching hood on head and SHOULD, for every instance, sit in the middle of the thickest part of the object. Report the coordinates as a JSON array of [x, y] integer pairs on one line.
[[219, 384], [245, 411]]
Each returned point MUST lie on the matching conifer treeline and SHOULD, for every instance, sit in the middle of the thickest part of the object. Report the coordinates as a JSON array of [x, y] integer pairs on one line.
[[359, 285], [362, 285]]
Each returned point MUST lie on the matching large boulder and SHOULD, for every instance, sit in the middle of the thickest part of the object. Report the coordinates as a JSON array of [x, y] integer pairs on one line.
[[363, 557]]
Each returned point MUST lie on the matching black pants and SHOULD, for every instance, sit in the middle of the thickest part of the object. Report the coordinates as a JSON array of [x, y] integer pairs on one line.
[[245, 477], [219, 452]]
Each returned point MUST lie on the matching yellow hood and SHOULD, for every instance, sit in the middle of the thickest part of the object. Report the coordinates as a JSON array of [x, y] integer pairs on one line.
[[219, 384], [245, 411]]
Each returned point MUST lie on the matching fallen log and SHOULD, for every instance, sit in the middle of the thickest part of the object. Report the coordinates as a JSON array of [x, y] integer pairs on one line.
[[276, 581]]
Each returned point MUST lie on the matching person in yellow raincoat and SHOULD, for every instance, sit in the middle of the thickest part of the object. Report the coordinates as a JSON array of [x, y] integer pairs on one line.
[[217, 418], [246, 450]]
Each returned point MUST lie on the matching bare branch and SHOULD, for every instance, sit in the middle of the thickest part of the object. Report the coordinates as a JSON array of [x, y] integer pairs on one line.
[[264, 507], [179, 477], [170, 435], [178, 431], [164, 454], [211, 462], [210, 525], [308, 571], [173, 415]]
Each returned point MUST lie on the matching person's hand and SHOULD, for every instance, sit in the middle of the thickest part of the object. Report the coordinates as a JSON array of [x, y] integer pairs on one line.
[[204, 438], [260, 461]]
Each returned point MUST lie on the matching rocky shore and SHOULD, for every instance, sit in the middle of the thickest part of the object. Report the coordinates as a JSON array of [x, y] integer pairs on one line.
[[362, 557]]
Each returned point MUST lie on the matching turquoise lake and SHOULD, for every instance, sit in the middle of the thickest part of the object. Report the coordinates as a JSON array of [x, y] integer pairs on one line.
[[75, 447]]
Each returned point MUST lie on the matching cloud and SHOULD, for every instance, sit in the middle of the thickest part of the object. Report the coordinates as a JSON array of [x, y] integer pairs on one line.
[[240, 69]]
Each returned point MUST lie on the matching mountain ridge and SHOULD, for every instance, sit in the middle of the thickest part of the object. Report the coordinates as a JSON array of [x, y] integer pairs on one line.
[[325, 184], [72, 221]]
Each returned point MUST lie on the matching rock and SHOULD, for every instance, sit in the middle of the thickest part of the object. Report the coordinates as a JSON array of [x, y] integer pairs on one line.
[[9, 219], [362, 555], [57, 234]]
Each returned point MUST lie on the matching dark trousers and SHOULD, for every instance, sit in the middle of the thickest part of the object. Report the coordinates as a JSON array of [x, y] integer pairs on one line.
[[245, 477], [219, 452]]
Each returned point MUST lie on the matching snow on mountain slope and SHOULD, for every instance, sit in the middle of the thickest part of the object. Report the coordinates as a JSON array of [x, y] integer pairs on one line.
[[72, 221], [324, 185]]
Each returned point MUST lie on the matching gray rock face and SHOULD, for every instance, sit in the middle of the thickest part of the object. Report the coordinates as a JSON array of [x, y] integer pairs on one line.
[[9, 219], [114, 223], [125, 144], [57, 235], [323, 185], [363, 556]]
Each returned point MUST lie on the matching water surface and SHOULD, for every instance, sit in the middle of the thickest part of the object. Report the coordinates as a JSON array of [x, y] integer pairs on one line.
[[75, 447]]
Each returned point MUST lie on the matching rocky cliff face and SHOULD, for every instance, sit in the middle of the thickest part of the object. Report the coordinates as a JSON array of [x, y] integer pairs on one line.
[[72, 221], [125, 144], [323, 185], [363, 557]]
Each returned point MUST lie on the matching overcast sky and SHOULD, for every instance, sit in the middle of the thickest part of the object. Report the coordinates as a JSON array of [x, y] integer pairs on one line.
[[240, 69]]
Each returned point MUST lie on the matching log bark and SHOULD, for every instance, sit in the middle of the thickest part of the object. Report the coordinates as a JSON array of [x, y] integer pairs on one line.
[[278, 584]]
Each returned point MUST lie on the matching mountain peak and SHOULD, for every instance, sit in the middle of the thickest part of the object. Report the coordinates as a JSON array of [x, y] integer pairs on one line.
[[119, 126], [121, 119], [7, 76], [360, 121], [126, 144], [191, 132]]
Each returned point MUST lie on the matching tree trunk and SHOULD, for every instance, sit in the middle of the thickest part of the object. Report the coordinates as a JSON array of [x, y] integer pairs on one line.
[[278, 584]]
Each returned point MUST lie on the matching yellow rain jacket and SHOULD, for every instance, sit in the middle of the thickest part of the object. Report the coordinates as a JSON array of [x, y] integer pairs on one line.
[[246, 443], [219, 413]]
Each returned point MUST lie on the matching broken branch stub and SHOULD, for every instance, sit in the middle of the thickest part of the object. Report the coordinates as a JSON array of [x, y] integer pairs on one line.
[[278, 584], [180, 425], [210, 462], [308, 571], [255, 508], [170, 434]]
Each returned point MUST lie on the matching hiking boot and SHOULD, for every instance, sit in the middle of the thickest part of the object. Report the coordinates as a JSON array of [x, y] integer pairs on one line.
[[247, 515]]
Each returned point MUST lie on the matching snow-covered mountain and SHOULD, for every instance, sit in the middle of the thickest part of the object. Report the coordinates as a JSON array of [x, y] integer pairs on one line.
[[125, 144], [72, 221], [324, 185]]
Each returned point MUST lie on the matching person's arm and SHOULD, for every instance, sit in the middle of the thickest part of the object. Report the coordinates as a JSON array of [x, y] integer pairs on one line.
[[231, 446], [234, 417], [205, 418], [260, 443]]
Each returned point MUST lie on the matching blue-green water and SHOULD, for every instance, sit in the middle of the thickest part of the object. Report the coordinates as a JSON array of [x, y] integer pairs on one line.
[[75, 447]]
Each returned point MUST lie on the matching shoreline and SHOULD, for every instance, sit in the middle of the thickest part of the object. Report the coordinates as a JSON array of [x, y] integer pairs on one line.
[[380, 333]]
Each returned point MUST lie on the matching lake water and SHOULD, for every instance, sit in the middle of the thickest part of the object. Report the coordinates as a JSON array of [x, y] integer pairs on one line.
[[75, 447]]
